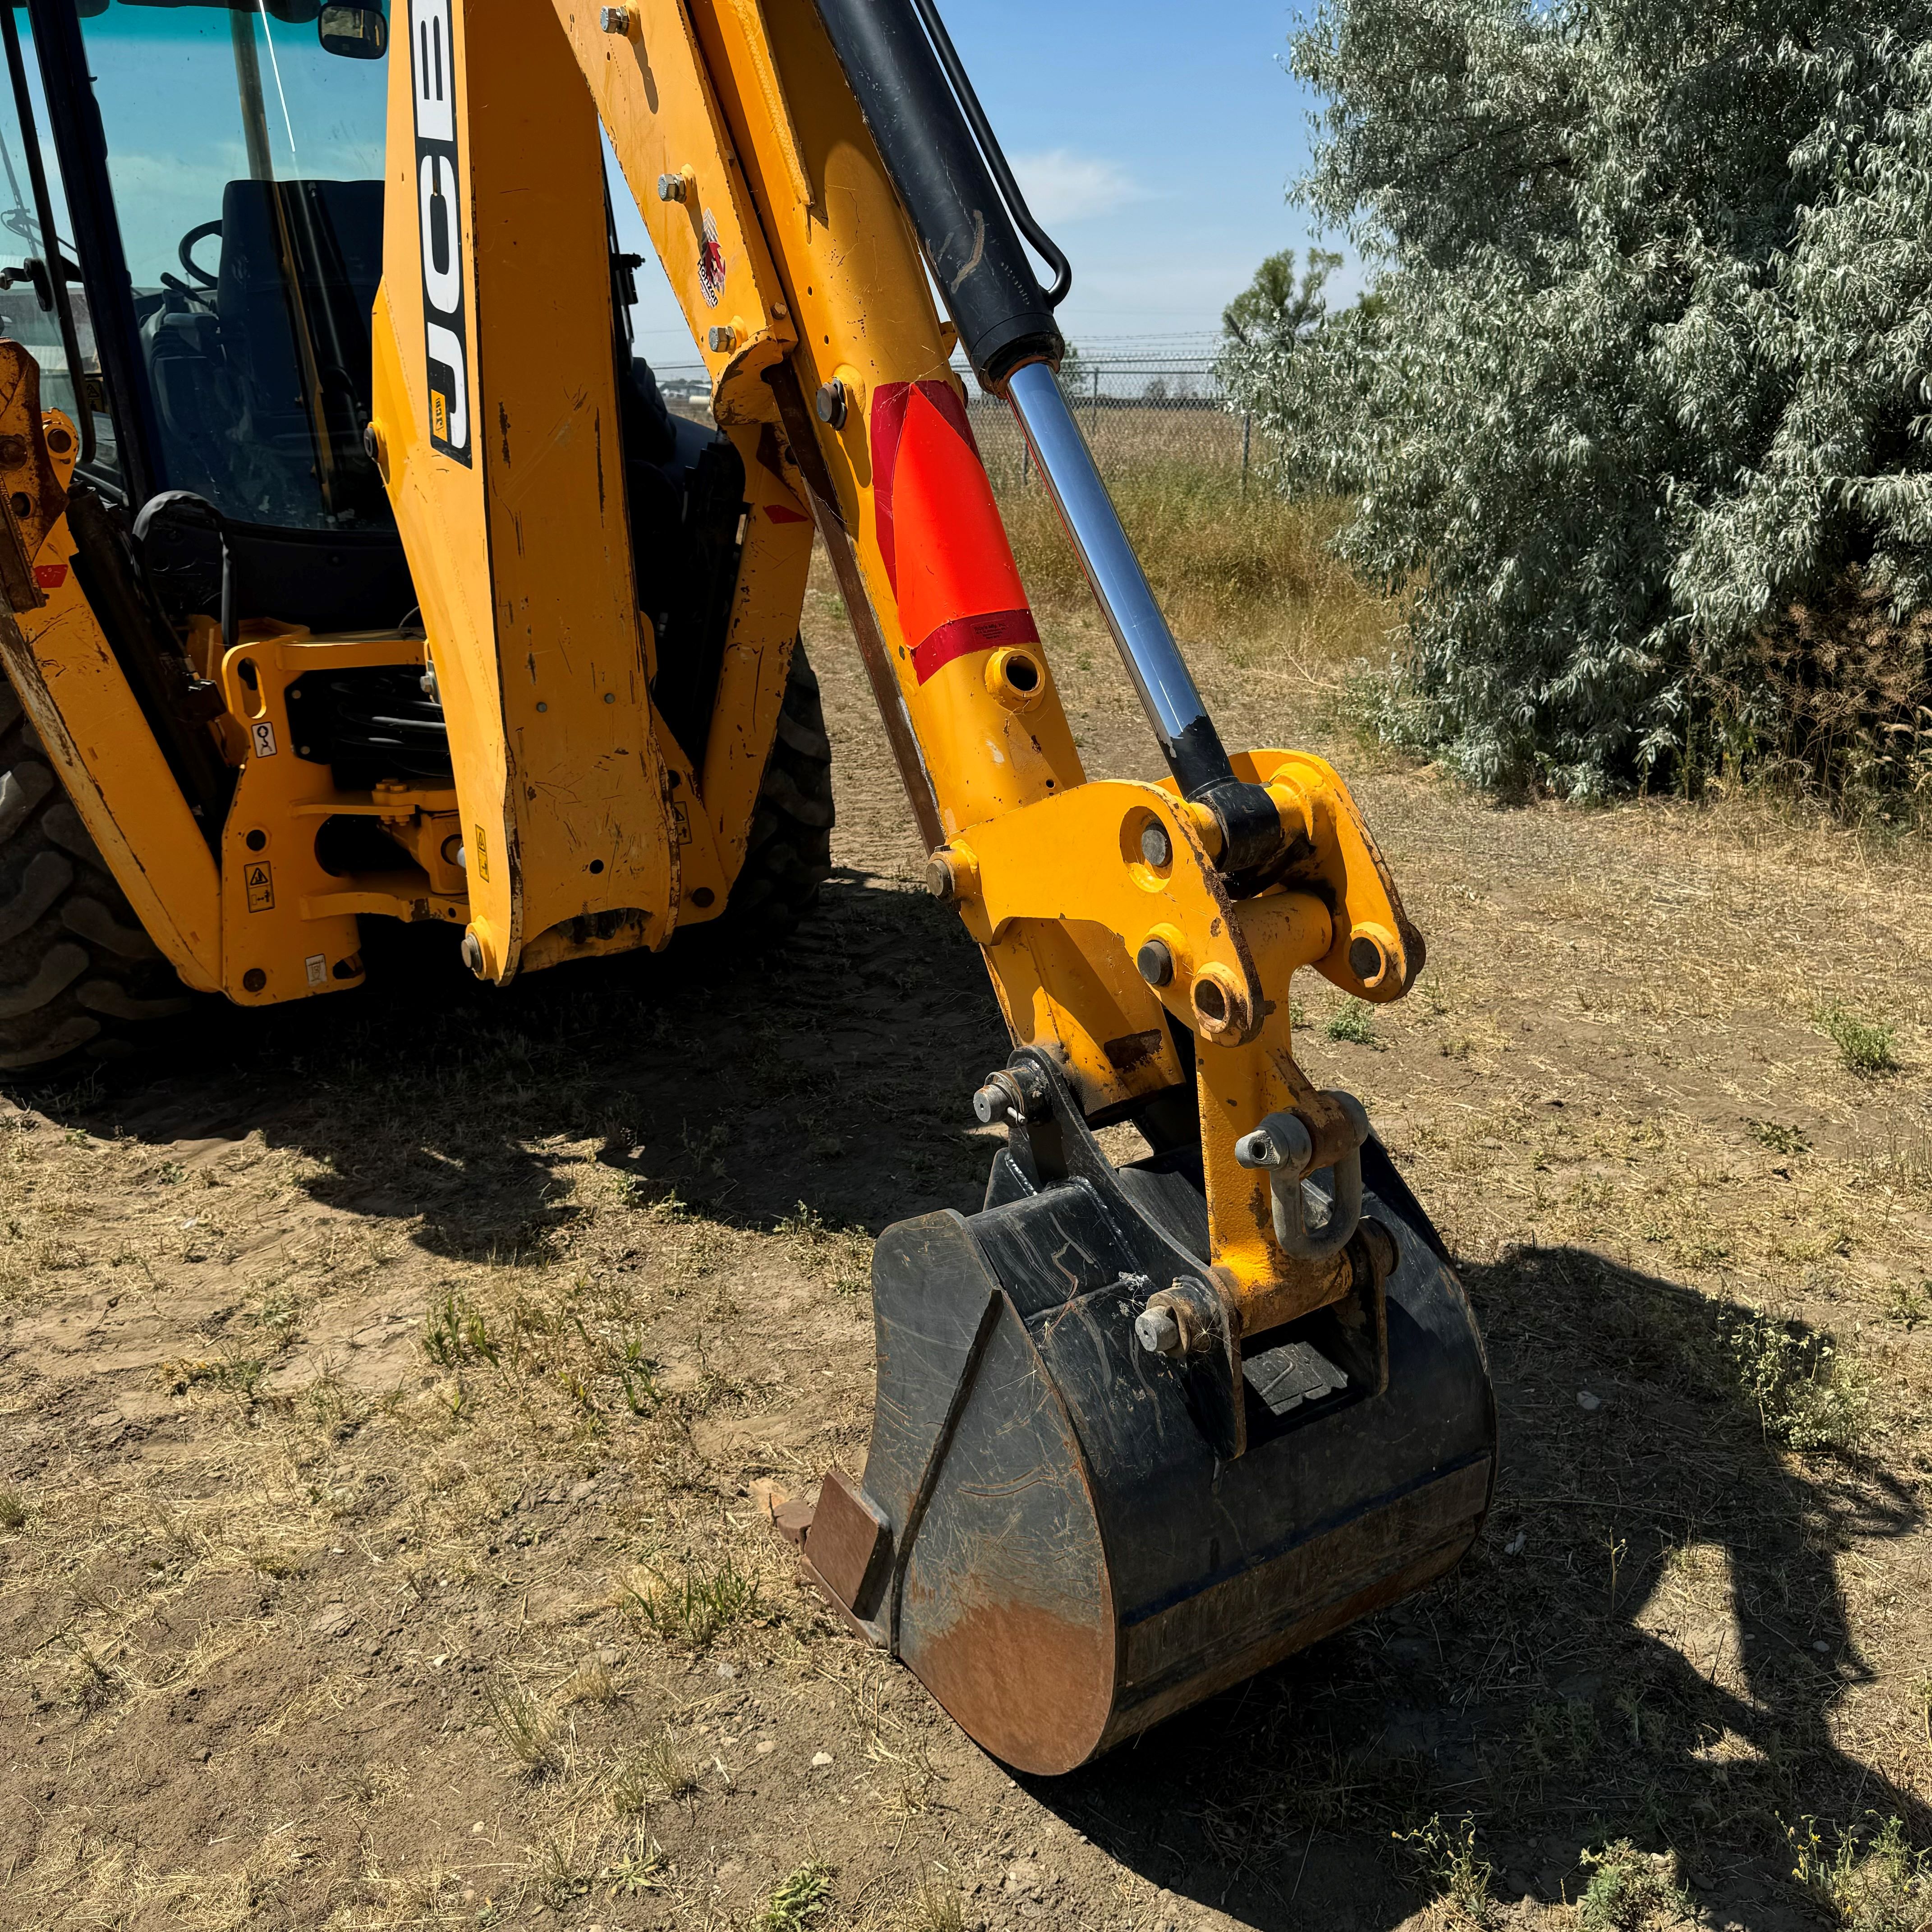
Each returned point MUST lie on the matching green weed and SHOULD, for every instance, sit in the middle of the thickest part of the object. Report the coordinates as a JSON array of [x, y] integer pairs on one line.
[[1866, 1048], [1354, 1023], [456, 1332], [1447, 1857], [1867, 1880], [802, 1897], [1906, 1305], [643, 1867], [13, 1510], [697, 1607], [1806, 1395], [1627, 1887], [1779, 1139]]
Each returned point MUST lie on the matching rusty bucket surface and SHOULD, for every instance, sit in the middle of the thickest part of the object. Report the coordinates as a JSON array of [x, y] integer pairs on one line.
[[1048, 1532]]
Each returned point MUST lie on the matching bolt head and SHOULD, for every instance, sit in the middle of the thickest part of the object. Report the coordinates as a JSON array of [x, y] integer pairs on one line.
[[938, 877], [1156, 962], [1156, 847], [1157, 1332], [670, 187], [615, 19], [721, 339], [831, 403], [472, 953]]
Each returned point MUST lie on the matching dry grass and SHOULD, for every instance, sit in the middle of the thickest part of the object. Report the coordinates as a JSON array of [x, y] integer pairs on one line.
[[1253, 573]]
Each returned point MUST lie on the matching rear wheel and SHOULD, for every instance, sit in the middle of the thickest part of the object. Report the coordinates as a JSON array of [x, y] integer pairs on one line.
[[78, 975], [789, 855]]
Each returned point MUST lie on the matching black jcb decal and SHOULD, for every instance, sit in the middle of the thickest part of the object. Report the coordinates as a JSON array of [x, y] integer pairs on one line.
[[444, 339]]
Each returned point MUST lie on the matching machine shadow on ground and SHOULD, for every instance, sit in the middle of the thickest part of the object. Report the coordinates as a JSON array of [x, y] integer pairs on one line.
[[1647, 1643], [834, 1074]]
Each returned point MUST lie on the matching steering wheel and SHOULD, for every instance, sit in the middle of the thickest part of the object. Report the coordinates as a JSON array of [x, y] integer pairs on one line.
[[186, 251]]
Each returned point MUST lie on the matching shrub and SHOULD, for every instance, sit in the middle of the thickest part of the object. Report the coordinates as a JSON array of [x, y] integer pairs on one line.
[[1640, 418]]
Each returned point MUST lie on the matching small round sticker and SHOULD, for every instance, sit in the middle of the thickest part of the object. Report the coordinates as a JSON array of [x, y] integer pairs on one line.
[[711, 263]]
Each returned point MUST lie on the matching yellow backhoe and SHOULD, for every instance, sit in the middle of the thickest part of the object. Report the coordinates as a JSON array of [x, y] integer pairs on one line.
[[354, 568]]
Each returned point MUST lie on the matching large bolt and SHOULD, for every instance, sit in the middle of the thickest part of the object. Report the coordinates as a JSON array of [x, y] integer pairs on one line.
[[671, 188], [831, 403], [1156, 962], [472, 953], [1156, 847], [722, 339], [990, 1104], [1157, 1332], [615, 19]]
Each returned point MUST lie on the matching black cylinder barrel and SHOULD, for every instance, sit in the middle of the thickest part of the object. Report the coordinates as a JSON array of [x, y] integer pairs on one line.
[[975, 252]]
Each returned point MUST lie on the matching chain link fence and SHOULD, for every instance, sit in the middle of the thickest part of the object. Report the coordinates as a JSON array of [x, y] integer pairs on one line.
[[1140, 413]]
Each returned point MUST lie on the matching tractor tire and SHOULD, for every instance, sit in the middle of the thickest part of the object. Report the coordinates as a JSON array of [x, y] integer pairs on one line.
[[78, 977], [789, 853]]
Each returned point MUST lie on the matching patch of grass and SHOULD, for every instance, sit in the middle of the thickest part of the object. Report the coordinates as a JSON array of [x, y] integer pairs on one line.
[[1627, 1889], [527, 1730], [1219, 563], [935, 1906], [455, 1332], [237, 1375], [1447, 1858], [697, 1607], [654, 1770], [642, 1867], [1806, 1395], [593, 1681], [1866, 1048], [1781, 1139], [1560, 1735], [13, 1510], [1354, 1023], [1867, 1880], [1906, 1305], [802, 1897]]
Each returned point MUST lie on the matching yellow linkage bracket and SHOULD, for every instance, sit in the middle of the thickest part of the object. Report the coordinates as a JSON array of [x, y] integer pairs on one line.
[[1136, 860]]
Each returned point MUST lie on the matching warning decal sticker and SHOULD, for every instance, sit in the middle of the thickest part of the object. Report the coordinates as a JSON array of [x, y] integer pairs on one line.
[[711, 263], [259, 879]]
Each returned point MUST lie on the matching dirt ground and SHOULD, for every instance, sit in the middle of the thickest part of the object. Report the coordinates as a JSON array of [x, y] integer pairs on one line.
[[390, 1387]]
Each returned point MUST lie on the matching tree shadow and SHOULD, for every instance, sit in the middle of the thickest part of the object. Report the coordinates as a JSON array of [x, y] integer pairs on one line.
[[835, 1071], [1650, 1641]]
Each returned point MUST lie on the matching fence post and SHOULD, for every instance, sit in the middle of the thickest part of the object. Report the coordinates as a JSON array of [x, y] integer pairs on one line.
[[1247, 427], [1096, 401]]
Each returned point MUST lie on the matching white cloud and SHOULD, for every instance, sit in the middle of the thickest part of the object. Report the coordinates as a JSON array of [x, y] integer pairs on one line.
[[1062, 186]]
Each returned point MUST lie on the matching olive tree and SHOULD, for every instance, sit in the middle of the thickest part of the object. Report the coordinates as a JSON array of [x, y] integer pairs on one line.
[[1649, 365]]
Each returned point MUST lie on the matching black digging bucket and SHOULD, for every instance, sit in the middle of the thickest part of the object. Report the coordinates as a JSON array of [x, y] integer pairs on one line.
[[1050, 1532]]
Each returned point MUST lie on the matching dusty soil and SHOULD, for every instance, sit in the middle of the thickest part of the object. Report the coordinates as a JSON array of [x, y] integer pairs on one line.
[[391, 1387]]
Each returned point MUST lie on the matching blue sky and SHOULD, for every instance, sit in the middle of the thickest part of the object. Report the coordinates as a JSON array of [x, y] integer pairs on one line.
[[1154, 141]]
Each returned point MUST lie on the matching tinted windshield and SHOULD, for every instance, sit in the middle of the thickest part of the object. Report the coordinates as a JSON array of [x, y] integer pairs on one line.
[[244, 149]]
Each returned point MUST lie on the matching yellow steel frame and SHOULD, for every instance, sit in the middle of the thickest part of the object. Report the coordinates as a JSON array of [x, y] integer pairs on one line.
[[584, 826]]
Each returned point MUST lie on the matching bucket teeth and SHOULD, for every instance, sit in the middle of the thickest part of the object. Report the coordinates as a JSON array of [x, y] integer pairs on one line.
[[1068, 1534]]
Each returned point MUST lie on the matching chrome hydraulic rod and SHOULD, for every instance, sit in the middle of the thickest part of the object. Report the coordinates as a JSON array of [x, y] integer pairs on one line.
[[1167, 692]]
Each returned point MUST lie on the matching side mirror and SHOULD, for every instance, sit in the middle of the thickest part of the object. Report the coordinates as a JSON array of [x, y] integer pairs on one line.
[[356, 33]]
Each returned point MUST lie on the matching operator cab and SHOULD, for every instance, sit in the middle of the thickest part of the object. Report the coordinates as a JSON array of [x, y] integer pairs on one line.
[[207, 320]]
